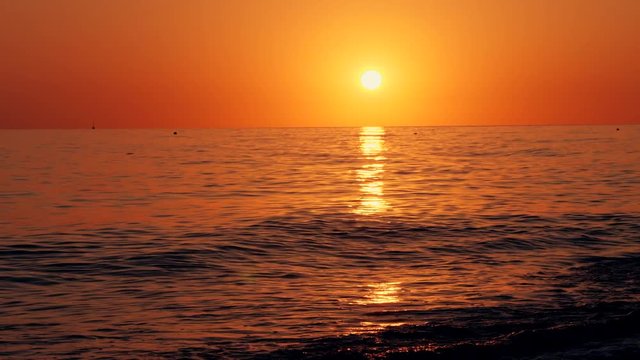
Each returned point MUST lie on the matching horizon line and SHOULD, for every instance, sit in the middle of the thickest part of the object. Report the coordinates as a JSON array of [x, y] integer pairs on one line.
[[315, 127]]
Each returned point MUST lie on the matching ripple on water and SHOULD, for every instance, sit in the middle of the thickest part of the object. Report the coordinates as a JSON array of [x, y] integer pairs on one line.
[[365, 243]]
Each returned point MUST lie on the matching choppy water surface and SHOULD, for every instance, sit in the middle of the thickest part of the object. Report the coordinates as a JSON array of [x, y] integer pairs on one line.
[[285, 243]]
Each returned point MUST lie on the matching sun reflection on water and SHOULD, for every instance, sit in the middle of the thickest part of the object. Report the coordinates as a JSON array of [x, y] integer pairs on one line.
[[378, 294], [381, 293], [370, 175]]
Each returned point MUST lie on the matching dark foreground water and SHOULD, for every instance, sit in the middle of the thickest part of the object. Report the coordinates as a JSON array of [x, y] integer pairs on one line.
[[497, 242]]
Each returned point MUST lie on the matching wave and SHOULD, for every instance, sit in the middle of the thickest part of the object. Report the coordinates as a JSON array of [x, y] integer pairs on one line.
[[585, 331], [573, 286]]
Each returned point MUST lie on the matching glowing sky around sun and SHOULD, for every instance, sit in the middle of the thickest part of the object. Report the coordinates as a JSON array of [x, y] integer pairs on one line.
[[241, 63]]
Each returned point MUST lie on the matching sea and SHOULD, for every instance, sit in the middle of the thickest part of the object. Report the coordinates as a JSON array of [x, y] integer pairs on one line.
[[321, 243]]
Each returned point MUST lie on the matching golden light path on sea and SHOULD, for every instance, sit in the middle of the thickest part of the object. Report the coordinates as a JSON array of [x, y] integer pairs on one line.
[[371, 175]]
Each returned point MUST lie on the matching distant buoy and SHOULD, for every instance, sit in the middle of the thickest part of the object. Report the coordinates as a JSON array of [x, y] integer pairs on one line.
[[175, 133], [617, 129]]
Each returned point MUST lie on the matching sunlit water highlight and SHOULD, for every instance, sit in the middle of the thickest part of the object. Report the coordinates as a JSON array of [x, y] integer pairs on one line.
[[300, 242]]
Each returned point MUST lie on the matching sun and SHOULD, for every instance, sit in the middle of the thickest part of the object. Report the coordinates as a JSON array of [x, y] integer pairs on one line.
[[371, 79]]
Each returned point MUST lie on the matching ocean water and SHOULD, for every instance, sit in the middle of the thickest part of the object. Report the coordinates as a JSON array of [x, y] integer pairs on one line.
[[397, 242]]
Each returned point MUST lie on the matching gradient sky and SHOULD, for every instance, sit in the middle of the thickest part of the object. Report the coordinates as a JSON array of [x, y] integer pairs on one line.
[[159, 63]]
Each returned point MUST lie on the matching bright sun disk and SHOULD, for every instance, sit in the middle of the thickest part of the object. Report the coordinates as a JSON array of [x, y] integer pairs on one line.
[[371, 79]]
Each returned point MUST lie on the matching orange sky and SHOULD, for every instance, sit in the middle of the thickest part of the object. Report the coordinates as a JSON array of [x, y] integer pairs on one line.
[[197, 63]]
